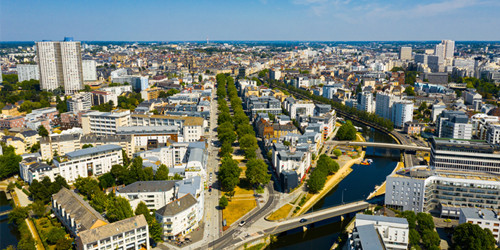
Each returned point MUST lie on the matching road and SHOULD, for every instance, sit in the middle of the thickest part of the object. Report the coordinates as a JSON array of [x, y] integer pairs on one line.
[[262, 227]]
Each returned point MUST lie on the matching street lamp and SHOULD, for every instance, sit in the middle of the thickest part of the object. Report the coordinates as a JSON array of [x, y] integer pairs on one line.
[[345, 189]]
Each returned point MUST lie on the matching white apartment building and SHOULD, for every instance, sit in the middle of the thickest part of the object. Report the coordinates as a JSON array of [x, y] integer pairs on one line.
[[72, 66], [383, 104], [402, 112], [301, 108], [155, 194], [405, 53], [192, 127], [49, 63], [128, 234], [89, 162], [89, 70], [118, 90], [27, 72], [178, 217], [145, 138], [493, 133], [60, 64], [481, 217], [80, 102], [31, 168], [379, 232], [105, 123], [366, 102]]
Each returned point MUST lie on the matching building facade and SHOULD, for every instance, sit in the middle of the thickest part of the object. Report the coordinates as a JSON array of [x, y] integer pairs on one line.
[[26, 72]]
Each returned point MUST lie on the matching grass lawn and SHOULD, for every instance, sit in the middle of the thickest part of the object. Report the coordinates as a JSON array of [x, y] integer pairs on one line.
[[256, 247], [237, 208], [281, 213]]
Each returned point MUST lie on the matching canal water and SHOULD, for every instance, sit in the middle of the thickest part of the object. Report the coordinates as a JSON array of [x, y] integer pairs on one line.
[[8, 232], [356, 186]]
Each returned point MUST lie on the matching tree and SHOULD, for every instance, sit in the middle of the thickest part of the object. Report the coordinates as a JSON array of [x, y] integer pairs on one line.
[[9, 162], [223, 202], [55, 234], [337, 152], [99, 201], [136, 172], [256, 172], [414, 237], [409, 91], [64, 244], [410, 217], [162, 173], [18, 214], [118, 209], [149, 174], [106, 180], [430, 238], [120, 173], [35, 147], [87, 186], [38, 208], [472, 236], [87, 146], [229, 174], [316, 181], [346, 132], [155, 230], [425, 221]]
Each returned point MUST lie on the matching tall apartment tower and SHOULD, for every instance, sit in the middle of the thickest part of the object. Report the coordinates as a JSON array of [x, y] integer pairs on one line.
[[449, 48], [60, 65], [440, 51], [405, 53]]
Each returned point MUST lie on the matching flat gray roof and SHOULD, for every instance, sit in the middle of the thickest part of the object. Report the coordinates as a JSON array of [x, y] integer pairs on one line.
[[381, 218], [474, 213], [148, 186], [93, 150], [369, 238]]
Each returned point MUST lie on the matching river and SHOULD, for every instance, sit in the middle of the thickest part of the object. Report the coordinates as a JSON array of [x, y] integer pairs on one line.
[[356, 186], [8, 232]]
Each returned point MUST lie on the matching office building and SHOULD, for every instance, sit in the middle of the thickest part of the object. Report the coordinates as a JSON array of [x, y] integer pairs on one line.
[[405, 53], [464, 155], [89, 70], [89, 162], [26, 72], [105, 123], [379, 232], [437, 109], [402, 112], [155, 194], [274, 74], [454, 124], [60, 65], [484, 218], [421, 58], [422, 189]]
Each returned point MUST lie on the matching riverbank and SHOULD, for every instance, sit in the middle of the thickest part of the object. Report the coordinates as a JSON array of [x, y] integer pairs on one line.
[[332, 181], [380, 190]]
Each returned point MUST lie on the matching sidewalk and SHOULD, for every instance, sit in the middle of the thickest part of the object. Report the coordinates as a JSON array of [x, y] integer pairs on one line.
[[19, 200]]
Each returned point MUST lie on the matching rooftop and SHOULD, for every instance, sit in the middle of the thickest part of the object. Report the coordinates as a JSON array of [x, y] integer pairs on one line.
[[476, 213], [93, 150], [102, 232], [147, 186], [177, 206]]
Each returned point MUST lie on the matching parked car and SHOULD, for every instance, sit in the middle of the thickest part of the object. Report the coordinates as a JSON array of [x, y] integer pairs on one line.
[[303, 220], [242, 223]]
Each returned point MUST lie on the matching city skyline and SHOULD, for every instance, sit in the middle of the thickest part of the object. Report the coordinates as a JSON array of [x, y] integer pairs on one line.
[[259, 20]]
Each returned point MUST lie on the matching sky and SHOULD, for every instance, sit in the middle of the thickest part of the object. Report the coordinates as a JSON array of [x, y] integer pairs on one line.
[[303, 20]]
